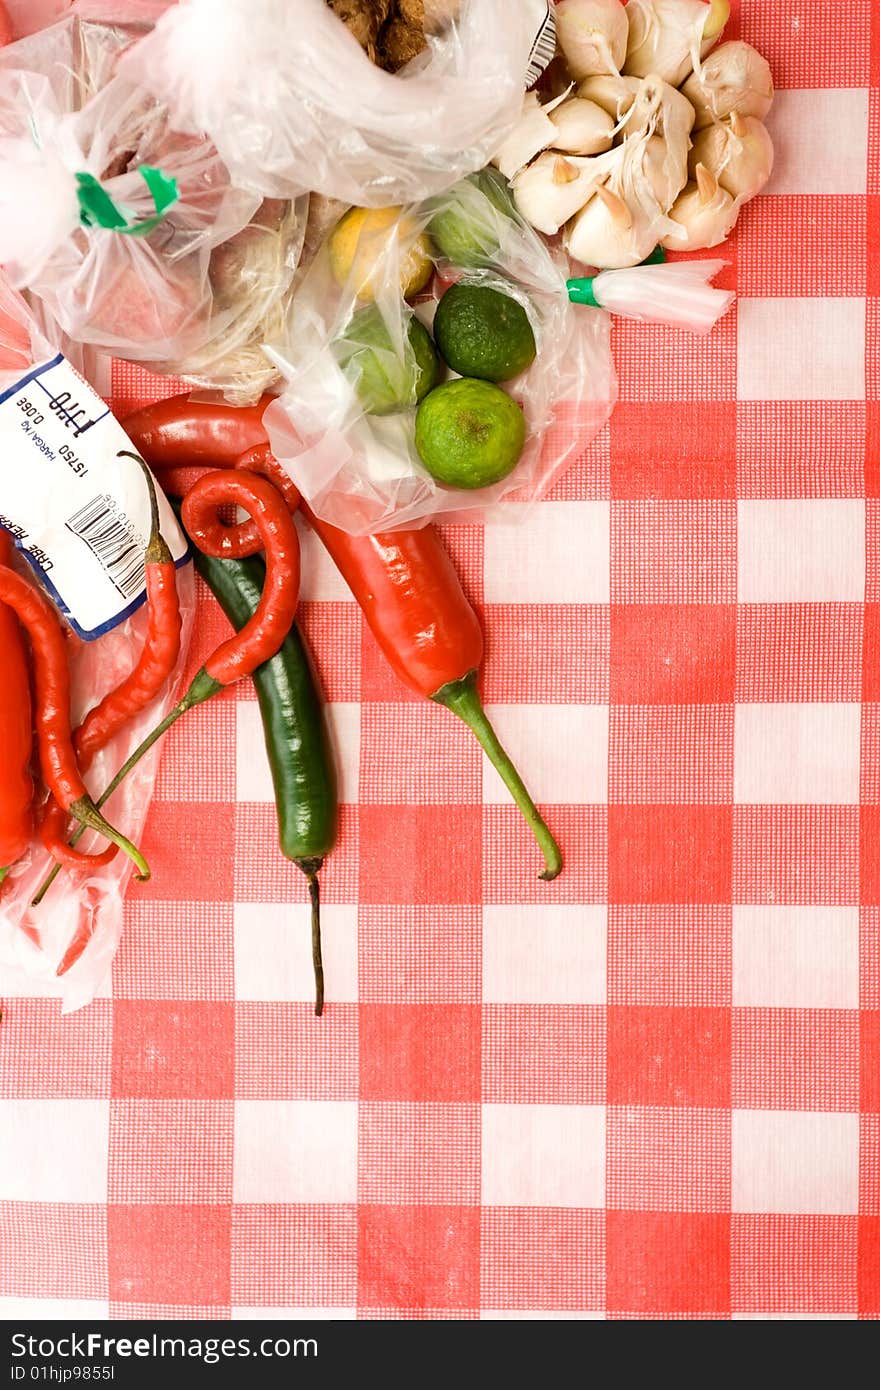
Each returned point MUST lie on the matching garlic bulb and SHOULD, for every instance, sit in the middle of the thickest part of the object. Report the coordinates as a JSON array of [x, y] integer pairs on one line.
[[667, 37], [582, 127], [705, 211], [553, 189], [592, 35], [739, 152], [614, 94], [735, 77], [666, 174], [607, 234], [533, 132]]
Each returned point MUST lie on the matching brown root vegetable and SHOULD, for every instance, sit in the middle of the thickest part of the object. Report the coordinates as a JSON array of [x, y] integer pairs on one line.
[[392, 32]]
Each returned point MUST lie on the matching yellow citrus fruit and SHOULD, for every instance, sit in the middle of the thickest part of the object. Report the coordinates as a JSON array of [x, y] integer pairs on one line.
[[359, 241]]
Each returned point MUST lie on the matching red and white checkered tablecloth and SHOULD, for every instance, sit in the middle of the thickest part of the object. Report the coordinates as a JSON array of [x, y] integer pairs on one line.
[[648, 1090]]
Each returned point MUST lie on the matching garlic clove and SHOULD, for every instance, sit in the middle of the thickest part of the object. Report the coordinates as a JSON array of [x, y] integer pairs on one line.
[[592, 35], [666, 170], [615, 95], [582, 127], [667, 37], [739, 152], [545, 194], [533, 132], [602, 235], [734, 78], [705, 212]]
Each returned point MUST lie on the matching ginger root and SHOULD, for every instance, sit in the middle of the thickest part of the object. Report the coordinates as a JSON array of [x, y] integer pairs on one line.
[[392, 32]]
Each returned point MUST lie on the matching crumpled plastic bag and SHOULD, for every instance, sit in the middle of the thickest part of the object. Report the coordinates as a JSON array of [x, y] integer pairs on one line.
[[361, 471], [127, 230], [293, 103], [84, 906]]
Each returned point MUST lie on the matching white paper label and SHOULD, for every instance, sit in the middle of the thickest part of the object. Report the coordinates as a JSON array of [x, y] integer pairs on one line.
[[78, 510], [544, 45]]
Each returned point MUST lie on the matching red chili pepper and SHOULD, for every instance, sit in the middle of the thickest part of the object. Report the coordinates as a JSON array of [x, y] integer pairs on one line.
[[154, 667], [180, 431], [403, 580], [16, 734], [54, 737], [6, 31], [264, 633]]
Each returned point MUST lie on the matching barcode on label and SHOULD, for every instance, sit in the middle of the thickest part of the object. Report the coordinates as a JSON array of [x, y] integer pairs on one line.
[[113, 542], [543, 49]]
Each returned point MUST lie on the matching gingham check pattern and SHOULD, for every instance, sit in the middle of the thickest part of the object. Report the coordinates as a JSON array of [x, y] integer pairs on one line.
[[649, 1090]]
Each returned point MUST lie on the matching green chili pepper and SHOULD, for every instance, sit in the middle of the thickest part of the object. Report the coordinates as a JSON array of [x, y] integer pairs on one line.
[[296, 737]]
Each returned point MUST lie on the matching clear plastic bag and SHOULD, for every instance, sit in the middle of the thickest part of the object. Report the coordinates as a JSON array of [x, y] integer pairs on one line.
[[83, 906], [361, 471], [129, 232], [293, 103]]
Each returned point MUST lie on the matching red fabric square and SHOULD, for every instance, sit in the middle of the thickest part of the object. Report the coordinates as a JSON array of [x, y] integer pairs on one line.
[[294, 1256], [869, 1046], [793, 1264], [668, 1262], [551, 1259], [869, 1165], [673, 654], [420, 854], [818, 52], [679, 451], [169, 1254], [672, 854], [872, 445], [871, 653], [420, 1052], [419, 1257], [795, 1059], [191, 852], [180, 1050], [869, 855], [869, 1266], [668, 1056], [543, 1054], [46, 1054]]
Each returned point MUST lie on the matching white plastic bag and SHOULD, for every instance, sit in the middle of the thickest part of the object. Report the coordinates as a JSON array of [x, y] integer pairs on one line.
[[82, 906], [361, 471], [293, 103], [129, 232]]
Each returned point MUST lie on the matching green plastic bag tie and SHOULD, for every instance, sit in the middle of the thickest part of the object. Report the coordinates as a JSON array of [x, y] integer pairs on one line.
[[657, 257], [98, 209], [580, 291]]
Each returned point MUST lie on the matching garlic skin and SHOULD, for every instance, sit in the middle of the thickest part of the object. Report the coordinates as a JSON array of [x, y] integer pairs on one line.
[[735, 77], [592, 35], [607, 234], [552, 189], [739, 152], [668, 37], [615, 95], [533, 132], [582, 127], [705, 211], [666, 174]]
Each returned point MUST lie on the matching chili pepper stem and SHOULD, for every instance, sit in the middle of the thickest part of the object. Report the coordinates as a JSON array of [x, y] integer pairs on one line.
[[310, 868], [157, 552], [462, 698], [202, 688], [86, 812]]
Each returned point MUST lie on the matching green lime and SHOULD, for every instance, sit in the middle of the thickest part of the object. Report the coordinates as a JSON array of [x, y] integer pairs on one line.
[[464, 227], [469, 433], [482, 332], [385, 382]]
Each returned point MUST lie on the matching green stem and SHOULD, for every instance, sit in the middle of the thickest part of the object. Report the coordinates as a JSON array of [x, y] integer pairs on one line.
[[88, 815], [310, 868], [462, 698], [202, 688]]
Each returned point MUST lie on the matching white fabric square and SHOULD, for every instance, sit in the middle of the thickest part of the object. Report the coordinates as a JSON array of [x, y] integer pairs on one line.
[[543, 1155], [517, 1315], [88, 1310], [321, 580], [799, 551], [795, 1161], [294, 1315], [544, 955], [796, 754], [561, 752], [54, 1150], [295, 1151], [273, 950], [796, 957], [17, 981], [560, 554], [820, 139], [253, 779], [801, 349]]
